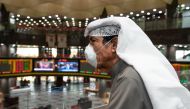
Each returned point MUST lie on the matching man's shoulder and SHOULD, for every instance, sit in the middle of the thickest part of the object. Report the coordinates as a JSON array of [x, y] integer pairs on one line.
[[129, 73]]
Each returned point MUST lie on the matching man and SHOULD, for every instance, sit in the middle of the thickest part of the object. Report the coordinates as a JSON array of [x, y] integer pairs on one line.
[[142, 78]]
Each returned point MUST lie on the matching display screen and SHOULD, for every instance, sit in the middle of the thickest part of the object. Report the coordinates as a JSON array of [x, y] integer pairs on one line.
[[22, 65], [44, 65], [65, 65], [5, 66]]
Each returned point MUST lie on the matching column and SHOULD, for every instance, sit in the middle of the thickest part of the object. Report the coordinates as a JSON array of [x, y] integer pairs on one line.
[[102, 87], [171, 50], [59, 81]]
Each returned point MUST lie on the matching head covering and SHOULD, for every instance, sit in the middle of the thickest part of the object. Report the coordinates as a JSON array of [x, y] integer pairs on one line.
[[106, 30], [160, 78]]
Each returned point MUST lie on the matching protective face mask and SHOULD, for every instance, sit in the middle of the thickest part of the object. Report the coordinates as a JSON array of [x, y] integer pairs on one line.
[[90, 54]]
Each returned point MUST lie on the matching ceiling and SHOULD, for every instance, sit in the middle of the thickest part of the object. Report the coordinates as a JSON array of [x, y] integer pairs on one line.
[[80, 8]]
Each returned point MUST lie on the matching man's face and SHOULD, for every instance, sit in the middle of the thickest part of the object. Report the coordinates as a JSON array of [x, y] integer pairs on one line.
[[104, 53]]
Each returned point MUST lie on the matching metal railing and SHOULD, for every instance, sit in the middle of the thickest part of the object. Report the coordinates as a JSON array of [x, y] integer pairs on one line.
[[163, 24]]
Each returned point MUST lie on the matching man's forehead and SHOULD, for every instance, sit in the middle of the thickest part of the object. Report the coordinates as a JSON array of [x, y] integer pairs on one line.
[[95, 37]]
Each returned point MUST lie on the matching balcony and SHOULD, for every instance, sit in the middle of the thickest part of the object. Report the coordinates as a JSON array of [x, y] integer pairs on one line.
[[164, 24]]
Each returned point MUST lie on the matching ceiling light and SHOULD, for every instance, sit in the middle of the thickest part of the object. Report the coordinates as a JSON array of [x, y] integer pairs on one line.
[[154, 10], [43, 17], [148, 13], [137, 15], [160, 12], [142, 12], [131, 13], [67, 24], [159, 46], [121, 14], [111, 15], [185, 46], [50, 17], [2, 44], [17, 19], [87, 19], [65, 17], [187, 7], [26, 20], [18, 15], [182, 5], [180, 45], [40, 21], [94, 18], [56, 16], [28, 17]]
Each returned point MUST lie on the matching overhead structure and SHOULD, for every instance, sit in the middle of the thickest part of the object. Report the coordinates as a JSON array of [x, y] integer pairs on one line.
[[80, 8]]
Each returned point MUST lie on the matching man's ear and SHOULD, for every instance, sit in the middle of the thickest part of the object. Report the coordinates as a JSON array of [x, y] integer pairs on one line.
[[114, 43]]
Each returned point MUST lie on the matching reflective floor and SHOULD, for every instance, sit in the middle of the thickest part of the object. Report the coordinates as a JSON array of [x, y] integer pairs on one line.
[[62, 98]]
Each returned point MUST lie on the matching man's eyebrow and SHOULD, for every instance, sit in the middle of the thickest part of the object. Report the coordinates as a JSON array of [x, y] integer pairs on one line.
[[92, 38]]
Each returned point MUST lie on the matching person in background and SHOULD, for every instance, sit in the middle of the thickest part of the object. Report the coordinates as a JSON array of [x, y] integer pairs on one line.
[[1, 100], [142, 78]]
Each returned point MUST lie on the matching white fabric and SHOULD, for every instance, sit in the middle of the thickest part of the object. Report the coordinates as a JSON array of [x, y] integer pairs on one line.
[[160, 78]]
